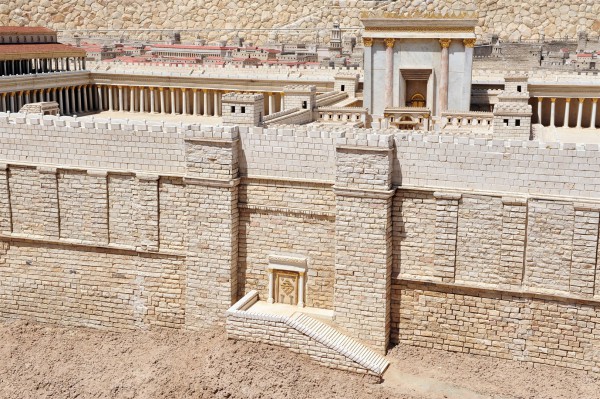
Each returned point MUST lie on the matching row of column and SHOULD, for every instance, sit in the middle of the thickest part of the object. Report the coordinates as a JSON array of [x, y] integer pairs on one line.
[[41, 65], [444, 68], [72, 100], [566, 120], [171, 100]]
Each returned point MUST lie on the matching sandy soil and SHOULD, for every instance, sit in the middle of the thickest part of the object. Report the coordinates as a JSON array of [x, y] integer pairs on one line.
[[41, 361]]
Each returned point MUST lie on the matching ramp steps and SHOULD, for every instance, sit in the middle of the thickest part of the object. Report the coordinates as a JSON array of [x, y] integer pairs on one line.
[[339, 342]]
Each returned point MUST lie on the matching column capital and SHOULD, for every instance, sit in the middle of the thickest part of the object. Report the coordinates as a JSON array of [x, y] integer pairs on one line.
[[469, 42], [367, 41], [553, 99], [161, 89], [594, 100], [194, 89], [183, 89], [445, 43], [389, 42], [568, 100], [581, 100], [540, 99]]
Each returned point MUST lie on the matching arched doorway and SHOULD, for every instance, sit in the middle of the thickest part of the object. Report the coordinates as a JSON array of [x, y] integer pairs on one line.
[[417, 101]]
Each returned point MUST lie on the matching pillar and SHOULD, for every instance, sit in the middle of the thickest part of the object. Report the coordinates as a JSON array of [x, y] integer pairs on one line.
[[567, 106], [594, 110], [162, 100], [85, 98], [205, 102], [389, 72], [121, 98], [173, 111], [580, 112], [213, 216], [184, 101], [271, 103], [195, 99], [61, 102], [67, 101], [363, 239], [110, 99], [142, 100], [100, 99], [215, 103], [151, 100], [443, 92], [2, 102], [12, 102], [469, 48], [552, 111], [539, 109], [132, 99]]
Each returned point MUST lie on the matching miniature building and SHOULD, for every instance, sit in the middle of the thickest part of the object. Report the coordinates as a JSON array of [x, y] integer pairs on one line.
[[299, 96], [242, 109], [420, 60], [347, 83], [512, 114]]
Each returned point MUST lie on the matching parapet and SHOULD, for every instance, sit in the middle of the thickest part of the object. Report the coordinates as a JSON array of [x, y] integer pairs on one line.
[[242, 97], [300, 89]]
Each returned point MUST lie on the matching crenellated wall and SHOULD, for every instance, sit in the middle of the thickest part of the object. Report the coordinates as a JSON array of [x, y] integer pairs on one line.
[[481, 246]]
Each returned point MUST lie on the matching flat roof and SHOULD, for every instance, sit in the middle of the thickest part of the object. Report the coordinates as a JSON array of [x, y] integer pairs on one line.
[[25, 30], [38, 50]]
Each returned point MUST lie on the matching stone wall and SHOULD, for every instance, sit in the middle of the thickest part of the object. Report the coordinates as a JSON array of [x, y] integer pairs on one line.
[[481, 246], [512, 20]]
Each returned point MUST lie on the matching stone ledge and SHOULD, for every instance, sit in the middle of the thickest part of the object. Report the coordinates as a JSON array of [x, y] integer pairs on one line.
[[363, 193]]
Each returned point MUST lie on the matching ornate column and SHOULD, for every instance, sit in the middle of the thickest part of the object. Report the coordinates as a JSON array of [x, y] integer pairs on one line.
[[594, 110], [539, 109], [151, 100], [567, 110], [552, 111], [184, 101], [162, 100], [195, 105], [580, 112], [389, 72], [68, 110], [172, 90], [26, 97], [443, 92]]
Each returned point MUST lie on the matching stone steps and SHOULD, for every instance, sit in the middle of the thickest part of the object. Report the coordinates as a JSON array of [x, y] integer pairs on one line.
[[341, 343]]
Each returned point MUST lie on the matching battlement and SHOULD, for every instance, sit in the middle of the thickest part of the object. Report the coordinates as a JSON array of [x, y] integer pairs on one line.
[[300, 89], [242, 97]]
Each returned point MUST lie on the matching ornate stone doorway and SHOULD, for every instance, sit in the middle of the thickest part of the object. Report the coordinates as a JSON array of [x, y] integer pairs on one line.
[[286, 287], [286, 279]]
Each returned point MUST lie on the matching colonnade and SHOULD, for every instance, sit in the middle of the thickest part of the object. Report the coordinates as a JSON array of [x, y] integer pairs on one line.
[[41, 65], [72, 100], [581, 112], [171, 100]]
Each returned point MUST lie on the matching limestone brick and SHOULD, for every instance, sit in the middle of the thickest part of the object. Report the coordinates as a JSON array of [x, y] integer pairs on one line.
[[549, 244], [5, 213], [83, 206], [34, 201], [172, 203], [585, 247]]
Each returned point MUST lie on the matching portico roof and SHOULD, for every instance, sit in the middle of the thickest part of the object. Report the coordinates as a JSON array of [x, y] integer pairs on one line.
[[38, 50]]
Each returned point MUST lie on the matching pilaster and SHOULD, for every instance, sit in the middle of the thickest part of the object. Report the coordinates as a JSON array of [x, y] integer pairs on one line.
[[212, 225], [5, 218], [363, 235], [512, 248], [446, 225], [585, 247]]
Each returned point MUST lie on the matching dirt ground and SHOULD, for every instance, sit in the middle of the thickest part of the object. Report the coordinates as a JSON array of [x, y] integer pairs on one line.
[[42, 361]]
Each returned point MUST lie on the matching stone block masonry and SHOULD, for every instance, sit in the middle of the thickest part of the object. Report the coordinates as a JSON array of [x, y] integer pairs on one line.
[[481, 246]]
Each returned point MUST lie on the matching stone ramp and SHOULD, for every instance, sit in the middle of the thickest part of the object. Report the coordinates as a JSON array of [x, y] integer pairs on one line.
[[301, 333], [335, 340]]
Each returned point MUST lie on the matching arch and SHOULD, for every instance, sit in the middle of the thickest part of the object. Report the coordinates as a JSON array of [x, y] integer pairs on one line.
[[417, 100]]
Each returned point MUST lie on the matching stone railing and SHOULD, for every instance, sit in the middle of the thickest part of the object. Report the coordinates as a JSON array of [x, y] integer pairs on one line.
[[329, 98], [342, 114], [295, 116], [458, 120], [280, 114]]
